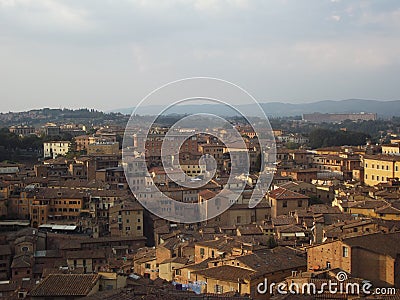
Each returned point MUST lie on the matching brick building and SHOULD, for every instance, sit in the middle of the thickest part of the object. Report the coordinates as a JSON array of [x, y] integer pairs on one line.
[[284, 201], [375, 257]]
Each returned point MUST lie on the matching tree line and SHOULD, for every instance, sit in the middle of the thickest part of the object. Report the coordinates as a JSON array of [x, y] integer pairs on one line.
[[321, 137]]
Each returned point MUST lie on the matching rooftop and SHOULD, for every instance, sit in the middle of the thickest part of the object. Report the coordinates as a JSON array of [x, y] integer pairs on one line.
[[226, 273], [65, 285]]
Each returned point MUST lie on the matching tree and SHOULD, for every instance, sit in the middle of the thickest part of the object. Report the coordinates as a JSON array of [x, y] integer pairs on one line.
[[292, 145], [72, 153], [326, 138]]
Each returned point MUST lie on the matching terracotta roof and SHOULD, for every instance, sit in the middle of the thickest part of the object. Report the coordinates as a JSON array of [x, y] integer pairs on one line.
[[283, 220], [285, 194], [226, 273], [207, 194], [81, 254], [52, 271], [383, 157], [272, 260], [329, 219], [128, 204], [388, 244], [262, 204], [144, 260], [371, 204], [65, 285], [324, 208], [212, 243], [295, 184], [56, 193], [250, 230], [56, 161], [108, 193], [171, 243], [162, 229], [291, 228], [388, 210], [310, 170]]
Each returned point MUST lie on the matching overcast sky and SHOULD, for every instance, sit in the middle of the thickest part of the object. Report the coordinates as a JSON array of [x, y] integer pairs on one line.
[[110, 54]]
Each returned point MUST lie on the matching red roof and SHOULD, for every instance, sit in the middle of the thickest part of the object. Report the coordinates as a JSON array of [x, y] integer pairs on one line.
[[285, 194]]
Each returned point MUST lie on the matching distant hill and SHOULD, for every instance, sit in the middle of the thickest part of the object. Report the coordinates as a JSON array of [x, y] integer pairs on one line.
[[278, 109], [38, 117]]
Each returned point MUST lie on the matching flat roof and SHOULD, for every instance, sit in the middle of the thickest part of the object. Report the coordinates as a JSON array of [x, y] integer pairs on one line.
[[58, 227]]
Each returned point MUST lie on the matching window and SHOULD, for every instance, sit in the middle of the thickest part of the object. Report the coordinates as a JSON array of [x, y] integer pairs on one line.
[[218, 289], [284, 203], [238, 219], [345, 251], [201, 251], [147, 266], [139, 227], [299, 203]]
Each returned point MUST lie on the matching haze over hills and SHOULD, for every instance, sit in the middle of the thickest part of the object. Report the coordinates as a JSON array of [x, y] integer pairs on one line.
[[280, 109]]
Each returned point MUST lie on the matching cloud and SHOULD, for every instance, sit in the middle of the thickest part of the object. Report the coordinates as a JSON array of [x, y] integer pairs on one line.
[[88, 52], [44, 15], [335, 18]]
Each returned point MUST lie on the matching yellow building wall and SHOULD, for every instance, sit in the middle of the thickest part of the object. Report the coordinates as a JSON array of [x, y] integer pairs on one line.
[[379, 170]]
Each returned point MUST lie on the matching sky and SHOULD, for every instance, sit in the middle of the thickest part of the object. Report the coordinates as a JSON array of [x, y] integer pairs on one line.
[[108, 55]]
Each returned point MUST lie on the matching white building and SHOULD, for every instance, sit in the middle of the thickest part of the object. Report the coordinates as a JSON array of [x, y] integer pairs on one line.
[[56, 148], [292, 138], [391, 149]]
